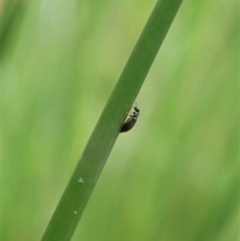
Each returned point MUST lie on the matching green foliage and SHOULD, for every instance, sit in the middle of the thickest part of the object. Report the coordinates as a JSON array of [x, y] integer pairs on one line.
[[174, 176], [92, 161]]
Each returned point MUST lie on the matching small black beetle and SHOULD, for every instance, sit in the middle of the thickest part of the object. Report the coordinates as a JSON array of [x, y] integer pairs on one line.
[[131, 121]]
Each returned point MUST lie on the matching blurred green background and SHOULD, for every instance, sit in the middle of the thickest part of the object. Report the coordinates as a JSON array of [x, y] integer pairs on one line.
[[175, 176]]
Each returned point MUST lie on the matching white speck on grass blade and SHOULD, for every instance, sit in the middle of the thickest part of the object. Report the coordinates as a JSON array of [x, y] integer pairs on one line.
[[81, 180]]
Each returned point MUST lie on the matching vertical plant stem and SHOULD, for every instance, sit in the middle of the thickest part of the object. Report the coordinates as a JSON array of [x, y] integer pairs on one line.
[[99, 146]]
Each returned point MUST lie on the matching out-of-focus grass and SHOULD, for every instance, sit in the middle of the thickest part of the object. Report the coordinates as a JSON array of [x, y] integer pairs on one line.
[[175, 176]]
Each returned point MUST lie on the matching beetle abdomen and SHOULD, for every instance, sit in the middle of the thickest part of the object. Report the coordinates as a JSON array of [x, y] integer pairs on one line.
[[128, 125]]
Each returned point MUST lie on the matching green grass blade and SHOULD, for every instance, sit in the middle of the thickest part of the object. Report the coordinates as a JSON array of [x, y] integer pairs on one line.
[[91, 163], [11, 18]]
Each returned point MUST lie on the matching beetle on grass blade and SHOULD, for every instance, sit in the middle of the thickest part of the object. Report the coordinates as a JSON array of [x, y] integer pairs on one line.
[[131, 121]]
